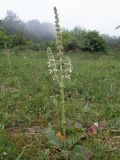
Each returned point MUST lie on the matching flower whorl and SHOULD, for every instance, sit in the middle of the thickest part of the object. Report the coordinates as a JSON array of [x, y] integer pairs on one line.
[[58, 31], [55, 64]]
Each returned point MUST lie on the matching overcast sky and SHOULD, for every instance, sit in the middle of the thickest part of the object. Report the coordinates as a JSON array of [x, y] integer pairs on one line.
[[101, 15]]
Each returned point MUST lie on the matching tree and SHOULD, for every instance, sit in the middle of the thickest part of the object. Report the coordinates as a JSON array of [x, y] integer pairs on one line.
[[111, 41], [40, 31], [33, 30], [1, 26], [94, 42], [67, 39], [12, 24], [79, 37], [73, 40]]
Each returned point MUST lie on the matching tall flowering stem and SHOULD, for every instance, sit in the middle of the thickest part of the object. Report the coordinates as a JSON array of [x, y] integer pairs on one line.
[[60, 54], [60, 68]]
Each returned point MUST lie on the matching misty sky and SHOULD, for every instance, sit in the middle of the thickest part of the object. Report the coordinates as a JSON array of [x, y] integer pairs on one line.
[[101, 15]]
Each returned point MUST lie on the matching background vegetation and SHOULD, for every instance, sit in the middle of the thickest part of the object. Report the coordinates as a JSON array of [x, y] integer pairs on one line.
[[29, 102], [37, 36]]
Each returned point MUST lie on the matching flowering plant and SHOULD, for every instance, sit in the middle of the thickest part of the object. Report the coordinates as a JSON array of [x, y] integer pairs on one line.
[[60, 68]]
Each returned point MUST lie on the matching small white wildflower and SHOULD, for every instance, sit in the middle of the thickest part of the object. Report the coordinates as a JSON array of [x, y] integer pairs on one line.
[[50, 71], [55, 70], [49, 65], [68, 76], [54, 78], [70, 69]]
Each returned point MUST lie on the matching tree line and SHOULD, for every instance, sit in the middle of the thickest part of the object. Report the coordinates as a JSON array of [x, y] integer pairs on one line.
[[37, 36]]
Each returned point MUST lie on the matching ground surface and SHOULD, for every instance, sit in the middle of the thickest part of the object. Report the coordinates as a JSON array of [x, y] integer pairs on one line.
[[29, 104]]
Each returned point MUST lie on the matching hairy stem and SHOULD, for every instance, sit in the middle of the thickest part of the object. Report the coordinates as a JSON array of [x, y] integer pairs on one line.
[[63, 120], [61, 57]]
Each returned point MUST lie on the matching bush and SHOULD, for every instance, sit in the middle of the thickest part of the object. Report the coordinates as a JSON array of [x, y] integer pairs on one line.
[[35, 47], [4, 39], [94, 42], [80, 39], [18, 40]]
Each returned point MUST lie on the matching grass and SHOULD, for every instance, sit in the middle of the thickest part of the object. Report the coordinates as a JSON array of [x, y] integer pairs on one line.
[[29, 103]]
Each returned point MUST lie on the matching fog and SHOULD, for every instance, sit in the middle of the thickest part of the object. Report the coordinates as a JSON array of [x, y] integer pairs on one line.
[[32, 29], [102, 15]]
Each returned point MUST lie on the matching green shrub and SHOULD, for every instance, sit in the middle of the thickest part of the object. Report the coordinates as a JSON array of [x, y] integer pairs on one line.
[[18, 40], [80, 39], [35, 47], [94, 42], [4, 39]]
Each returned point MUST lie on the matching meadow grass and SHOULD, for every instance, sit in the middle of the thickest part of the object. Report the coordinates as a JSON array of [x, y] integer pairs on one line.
[[29, 103]]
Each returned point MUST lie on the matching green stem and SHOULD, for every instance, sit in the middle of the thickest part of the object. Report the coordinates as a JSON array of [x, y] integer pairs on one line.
[[63, 120]]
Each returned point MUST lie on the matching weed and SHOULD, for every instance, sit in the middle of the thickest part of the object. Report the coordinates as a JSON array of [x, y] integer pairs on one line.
[[60, 68]]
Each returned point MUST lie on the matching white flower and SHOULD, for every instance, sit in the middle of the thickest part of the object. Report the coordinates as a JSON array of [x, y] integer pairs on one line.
[[54, 78], [68, 76], [55, 70], [70, 69], [50, 71], [49, 65]]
